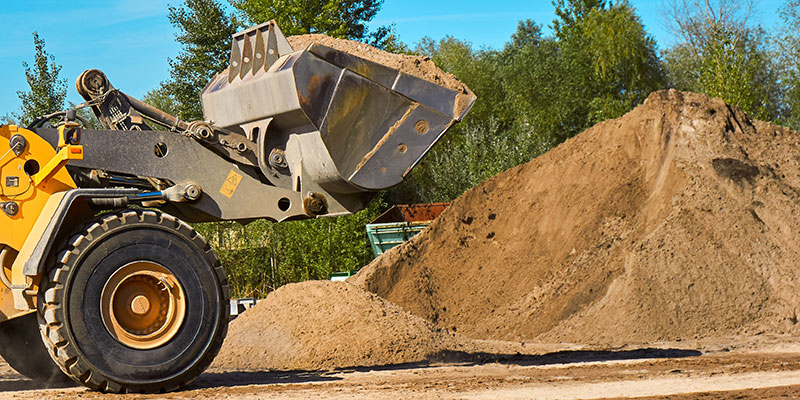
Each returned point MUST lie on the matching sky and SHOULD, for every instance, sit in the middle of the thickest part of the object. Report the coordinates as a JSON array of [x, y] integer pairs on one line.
[[132, 40]]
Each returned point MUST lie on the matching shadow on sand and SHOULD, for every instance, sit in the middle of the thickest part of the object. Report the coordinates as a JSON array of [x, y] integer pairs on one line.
[[18, 382], [244, 378], [447, 357]]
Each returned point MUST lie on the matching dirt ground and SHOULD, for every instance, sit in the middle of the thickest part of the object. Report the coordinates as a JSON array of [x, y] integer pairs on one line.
[[733, 368]]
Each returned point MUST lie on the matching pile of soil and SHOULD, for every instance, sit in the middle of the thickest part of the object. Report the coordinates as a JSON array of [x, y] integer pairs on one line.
[[678, 220], [323, 325], [420, 67]]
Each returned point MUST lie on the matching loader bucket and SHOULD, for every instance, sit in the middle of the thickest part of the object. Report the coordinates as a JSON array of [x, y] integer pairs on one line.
[[350, 123]]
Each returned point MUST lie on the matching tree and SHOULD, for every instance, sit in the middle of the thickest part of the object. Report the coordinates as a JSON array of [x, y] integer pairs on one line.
[[338, 18], [536, 92], [569, 13], [599, 64], [788, 56], [205, 34], [163, 100], [626, 67], [385, 38], [47, 91], [606, 55], [722, 55], [262, 256]]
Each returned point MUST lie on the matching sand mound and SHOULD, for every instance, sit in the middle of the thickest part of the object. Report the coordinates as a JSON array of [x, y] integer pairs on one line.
[[420, 67], [323, 325], [678, 220]]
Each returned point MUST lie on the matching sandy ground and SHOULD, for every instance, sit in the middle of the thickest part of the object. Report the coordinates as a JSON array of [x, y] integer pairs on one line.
[[759, 367]]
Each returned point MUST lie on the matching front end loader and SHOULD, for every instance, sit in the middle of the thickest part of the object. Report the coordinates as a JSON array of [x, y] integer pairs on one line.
[[103, 279]]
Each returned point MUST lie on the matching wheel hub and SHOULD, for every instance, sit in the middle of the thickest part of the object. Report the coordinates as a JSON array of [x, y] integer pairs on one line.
[[142, 305]]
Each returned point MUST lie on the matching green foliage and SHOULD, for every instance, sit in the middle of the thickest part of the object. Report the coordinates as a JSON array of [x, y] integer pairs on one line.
[[246, 253], [600, 64], [605, 58], [338, 18], [315, 248], [788, 56], [262, 256], [683, 67], [721, 55], [205, 35], [536, 92], [733, 68], [385, 38], [472, 155], [570, 13], [626, 68], [47, 91], [162, 99]]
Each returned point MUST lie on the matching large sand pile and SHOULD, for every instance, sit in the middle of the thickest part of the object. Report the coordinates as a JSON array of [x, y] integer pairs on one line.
[[678, 220], [322, 325], [420, 67]]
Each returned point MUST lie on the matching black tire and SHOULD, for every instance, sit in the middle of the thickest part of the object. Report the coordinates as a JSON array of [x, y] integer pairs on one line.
[[22, 348], [69, 306]]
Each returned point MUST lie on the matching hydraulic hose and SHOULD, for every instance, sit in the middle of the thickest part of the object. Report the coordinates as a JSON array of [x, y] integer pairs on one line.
[[41, 120]]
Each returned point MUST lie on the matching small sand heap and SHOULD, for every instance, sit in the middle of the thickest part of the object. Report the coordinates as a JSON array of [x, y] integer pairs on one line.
[[323, 325]]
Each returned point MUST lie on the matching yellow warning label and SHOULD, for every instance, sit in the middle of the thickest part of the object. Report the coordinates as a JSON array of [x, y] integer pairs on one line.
[[230, 185]]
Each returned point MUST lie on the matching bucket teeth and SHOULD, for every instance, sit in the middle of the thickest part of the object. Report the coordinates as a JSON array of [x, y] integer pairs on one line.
[[256, 49]]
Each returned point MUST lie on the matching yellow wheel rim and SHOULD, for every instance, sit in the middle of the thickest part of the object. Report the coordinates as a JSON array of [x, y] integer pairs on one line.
[[142, 305]]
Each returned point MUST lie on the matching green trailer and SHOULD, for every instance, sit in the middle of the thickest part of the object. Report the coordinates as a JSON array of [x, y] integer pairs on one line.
[[401, 223], [383, 237], [394, 227]]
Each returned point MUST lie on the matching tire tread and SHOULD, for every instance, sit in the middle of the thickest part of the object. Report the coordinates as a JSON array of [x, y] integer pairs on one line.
[[52, 324]]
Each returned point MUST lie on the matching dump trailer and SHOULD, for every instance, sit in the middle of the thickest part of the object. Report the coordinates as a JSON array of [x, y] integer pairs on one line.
[[103, 279]]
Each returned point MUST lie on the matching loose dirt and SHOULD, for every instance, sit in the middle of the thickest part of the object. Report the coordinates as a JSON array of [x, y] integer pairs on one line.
[[675, 221], [420, 67], [751, 371], [322, 325]]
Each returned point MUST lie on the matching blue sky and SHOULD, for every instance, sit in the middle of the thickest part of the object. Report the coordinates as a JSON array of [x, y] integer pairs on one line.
[[131, 40]]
